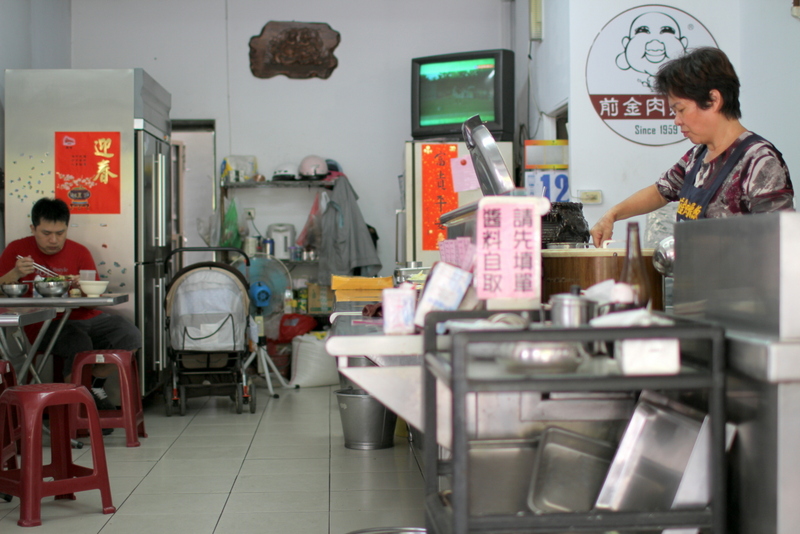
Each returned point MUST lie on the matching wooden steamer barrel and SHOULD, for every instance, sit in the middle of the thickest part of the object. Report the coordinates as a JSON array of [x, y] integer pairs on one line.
[[563, 268]]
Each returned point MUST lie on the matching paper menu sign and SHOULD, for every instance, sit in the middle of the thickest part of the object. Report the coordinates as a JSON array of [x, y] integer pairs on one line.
[[508, 264], [444, 290]]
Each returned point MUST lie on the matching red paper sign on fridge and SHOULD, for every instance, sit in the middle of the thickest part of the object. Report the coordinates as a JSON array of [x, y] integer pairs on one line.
[[87, 171]]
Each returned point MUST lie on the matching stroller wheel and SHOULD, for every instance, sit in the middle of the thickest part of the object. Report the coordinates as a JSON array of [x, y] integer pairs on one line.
[[168, 400], [239, 399]]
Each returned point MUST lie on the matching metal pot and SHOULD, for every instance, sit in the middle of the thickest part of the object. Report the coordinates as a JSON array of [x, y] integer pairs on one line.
[[571, 309]]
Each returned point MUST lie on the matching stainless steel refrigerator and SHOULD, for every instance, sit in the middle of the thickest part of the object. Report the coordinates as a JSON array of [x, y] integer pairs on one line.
[[129, 232]]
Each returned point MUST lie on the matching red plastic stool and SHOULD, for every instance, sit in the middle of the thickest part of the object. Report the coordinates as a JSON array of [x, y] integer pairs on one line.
[[27, 482], [10, 443], [131, 415]]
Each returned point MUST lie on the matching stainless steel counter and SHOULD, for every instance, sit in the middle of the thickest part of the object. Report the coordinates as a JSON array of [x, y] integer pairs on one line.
[[742, 273], [355, 335]]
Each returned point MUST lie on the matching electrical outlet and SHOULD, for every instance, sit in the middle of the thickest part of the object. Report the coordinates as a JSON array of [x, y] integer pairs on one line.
[[591, 197], [250, 214]]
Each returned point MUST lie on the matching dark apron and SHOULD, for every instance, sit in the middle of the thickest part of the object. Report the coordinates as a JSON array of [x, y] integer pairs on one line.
[[693, 201]]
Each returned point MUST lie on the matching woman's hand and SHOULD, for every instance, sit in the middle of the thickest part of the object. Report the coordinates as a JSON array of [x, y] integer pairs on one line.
[[602, 230]]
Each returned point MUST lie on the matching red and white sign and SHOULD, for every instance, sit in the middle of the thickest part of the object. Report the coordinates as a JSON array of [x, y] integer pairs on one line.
[[438, 195], [623, 61], [87, 171]]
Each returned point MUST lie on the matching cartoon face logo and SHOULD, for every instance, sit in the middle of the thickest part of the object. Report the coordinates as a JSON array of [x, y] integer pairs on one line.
[[653, 39], [621, 67]]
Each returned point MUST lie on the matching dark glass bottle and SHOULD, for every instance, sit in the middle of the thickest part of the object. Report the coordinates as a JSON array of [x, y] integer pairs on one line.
[[634, 271]]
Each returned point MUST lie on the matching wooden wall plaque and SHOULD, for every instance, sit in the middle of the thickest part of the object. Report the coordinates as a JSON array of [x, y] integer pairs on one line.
[[294, 49]]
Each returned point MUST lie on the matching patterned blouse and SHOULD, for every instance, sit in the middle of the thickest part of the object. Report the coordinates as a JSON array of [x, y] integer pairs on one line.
[[758, 183]]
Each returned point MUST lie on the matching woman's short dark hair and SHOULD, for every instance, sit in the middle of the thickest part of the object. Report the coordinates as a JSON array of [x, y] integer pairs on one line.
[[49, 209], [696, 73]]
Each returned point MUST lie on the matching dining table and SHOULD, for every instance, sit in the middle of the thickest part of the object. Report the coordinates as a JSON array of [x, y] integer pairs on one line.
[[51, 306], [12, 318]]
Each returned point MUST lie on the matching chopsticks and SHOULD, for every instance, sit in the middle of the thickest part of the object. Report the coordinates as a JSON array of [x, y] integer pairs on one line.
[[41, 268]]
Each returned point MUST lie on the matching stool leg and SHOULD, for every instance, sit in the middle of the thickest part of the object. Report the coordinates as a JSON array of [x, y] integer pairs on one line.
[[99, 457], [129, 405], [60, 447], [138, 399], [30, 508]]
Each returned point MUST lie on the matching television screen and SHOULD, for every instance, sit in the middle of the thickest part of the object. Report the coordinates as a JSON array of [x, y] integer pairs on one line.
[[454, 91], [448, 89]]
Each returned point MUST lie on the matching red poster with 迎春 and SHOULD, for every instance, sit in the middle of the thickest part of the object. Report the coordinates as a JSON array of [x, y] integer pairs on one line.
[[87, 171], [438, 195]]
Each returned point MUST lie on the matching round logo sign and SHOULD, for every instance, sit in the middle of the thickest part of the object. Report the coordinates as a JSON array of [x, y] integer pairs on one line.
[[623, 61]]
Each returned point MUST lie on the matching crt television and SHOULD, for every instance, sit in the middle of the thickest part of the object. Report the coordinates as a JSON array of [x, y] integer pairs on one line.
[[448, 89]]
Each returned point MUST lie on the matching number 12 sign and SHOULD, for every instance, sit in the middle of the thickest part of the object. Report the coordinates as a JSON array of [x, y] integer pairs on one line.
[[552, 184]]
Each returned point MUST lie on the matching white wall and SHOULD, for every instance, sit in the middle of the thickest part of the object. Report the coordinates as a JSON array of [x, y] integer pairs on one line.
[[360, 116], [768, 68]]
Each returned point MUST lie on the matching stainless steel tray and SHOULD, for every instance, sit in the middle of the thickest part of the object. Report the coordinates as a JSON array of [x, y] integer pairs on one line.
[[651, 460], [568, 472], [499, 475]]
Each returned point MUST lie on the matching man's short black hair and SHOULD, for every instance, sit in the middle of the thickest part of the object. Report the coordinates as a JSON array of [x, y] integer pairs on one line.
[[696, 73], [49, 209]]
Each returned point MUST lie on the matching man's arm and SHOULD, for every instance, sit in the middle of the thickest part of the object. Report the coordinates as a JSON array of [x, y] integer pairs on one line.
[[639, 203]]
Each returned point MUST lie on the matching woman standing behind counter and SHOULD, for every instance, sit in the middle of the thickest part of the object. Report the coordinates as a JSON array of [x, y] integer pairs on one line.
[[729, 171]]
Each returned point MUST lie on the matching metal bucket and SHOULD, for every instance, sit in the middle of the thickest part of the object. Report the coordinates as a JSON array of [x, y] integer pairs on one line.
[[367, 424], [353, 361]]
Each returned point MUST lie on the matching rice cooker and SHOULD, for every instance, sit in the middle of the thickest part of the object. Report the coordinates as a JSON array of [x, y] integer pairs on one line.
[[283, 236]]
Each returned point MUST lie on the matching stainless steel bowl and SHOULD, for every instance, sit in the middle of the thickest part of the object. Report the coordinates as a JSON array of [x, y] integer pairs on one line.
[[14, 290], [52, 289], [664, 256], [545, 357]]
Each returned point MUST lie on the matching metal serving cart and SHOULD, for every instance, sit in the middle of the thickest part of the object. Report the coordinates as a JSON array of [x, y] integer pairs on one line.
[[702, 371]]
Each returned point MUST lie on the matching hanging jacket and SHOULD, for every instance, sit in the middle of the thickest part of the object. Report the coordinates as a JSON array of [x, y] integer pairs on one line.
[[346, 241]]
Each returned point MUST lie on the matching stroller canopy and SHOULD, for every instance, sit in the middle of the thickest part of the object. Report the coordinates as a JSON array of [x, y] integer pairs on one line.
[[207, 309]]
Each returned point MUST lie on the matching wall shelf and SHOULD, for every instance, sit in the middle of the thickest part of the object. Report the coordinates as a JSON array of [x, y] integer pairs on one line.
[[296, 184]]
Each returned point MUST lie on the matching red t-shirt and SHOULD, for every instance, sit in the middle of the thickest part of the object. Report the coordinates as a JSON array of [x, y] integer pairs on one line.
[[70, 260]]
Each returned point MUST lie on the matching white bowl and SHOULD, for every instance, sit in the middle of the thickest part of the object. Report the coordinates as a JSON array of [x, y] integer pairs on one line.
[[93, 288]]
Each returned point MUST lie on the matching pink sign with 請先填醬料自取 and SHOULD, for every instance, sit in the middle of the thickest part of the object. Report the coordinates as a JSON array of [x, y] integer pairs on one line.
[[508, 261]]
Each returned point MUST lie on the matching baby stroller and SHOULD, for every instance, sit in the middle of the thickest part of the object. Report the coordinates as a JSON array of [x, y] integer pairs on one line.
[[207, 310]]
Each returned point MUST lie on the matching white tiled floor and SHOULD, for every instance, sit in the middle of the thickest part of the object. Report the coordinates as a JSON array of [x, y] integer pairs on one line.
[[282, 470]]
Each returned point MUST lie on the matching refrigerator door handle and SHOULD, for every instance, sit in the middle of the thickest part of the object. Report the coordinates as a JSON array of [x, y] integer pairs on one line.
[[159, 361], [158, 223]]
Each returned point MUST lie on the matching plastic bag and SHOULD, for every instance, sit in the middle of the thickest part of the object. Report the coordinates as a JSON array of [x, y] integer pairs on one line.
[[311, 235], [238, 168], [229, 236], [208, 230], [312, 366], [293, 325]]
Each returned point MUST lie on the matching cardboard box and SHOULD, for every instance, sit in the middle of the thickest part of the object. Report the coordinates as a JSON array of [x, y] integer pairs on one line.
[[320, 299], [359, 295], [360, 282]]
